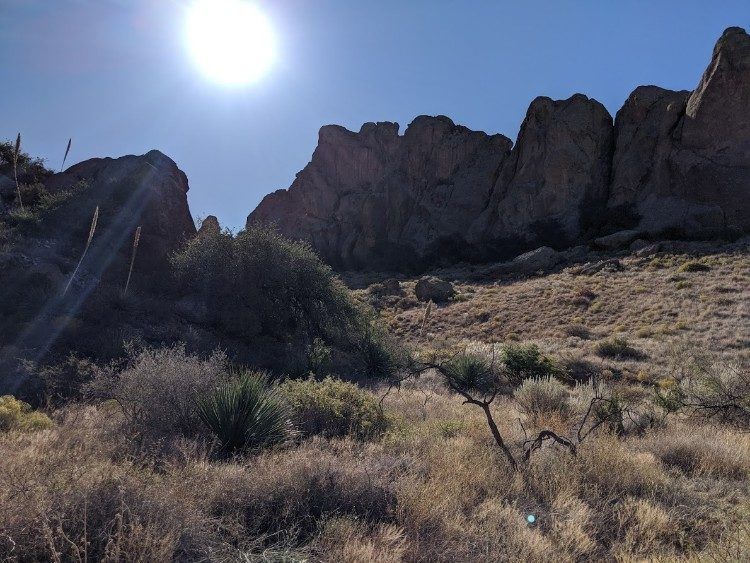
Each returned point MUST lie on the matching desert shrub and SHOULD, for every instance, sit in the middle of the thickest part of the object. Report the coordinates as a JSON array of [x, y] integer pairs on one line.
[[67, 379], [578, 370], [526, 361], [17, 415], [246, 414], [694, 266], [378, 355], [539, 397], [158, 389], [334, 408], [616, 347], [259, 283], [286, 495], [471, 372], [716, 391], [578, 330]]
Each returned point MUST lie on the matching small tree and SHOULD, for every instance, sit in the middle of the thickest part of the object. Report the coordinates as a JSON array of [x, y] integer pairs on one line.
[[479, 381]]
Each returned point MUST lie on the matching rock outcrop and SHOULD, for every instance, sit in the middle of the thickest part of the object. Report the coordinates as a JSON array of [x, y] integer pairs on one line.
[[375, 199], [672, 164], [147, 191]]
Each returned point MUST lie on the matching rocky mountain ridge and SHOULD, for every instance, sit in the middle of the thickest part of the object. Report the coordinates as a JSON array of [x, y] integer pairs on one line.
[[671, 164]]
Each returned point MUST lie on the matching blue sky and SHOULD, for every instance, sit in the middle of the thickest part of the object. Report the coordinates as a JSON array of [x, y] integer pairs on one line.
[[115, 75]]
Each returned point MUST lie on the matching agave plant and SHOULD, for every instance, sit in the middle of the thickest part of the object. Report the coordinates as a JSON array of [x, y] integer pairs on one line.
[[246, 414]]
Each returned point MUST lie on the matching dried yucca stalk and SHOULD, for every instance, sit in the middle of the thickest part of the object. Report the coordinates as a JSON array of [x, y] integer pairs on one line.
[[88, 243], [136, 240], [67, 150], [426, 316], [16, 154]]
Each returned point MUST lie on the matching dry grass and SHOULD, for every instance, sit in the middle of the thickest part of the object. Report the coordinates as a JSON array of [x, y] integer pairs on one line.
[[434, 486]]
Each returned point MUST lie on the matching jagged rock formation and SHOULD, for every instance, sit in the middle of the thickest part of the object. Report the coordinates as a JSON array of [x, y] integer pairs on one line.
[[673, 163], [376, 199]]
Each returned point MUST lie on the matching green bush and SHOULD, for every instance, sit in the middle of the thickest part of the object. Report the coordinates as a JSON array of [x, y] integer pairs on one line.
[[526, 361], [259, 283], [17, 415], [246, 414], [616, 347], [334, 408], [472, 372]]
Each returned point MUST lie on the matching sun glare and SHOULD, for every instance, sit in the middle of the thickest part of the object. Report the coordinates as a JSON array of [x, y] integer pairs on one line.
[[231, 41]]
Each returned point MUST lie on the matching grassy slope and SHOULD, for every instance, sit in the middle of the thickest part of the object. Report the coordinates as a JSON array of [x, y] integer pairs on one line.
[[434, 487]]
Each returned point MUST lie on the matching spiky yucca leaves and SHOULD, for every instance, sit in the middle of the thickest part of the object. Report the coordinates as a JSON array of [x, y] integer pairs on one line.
[[16, 154], [246, 414], [472, 372], [92, 230]]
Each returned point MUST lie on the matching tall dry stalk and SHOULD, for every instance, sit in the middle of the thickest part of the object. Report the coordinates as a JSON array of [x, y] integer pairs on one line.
[[67, 150], [88, 243], [16, 154], [136, 240], [426, 316]]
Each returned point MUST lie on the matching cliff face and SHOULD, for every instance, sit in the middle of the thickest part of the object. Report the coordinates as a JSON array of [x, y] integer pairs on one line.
[[672, 163]]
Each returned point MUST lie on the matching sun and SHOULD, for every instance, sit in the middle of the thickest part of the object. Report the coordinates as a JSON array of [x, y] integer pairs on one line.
[[231, 41]]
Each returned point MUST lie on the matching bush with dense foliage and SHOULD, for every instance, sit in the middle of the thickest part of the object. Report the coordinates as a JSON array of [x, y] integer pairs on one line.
[[246, 414], [260, 283], [526, 361], [334, 408]]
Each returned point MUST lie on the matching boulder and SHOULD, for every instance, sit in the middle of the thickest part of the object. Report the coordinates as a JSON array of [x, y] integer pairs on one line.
[[430, 288], [617, 240], [541, 259]]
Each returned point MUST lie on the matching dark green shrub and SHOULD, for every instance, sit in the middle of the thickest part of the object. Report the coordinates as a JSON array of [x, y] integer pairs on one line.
[[334, 408], [616, 347], [246, 414], [472, 372], [526, 361], [259, 283]]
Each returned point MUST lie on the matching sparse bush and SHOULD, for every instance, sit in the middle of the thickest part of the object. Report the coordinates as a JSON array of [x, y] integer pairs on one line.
[[334, 408], [158, 389], [528, 362], [246, 414], [17, 415], [716, 391], [543, 396], [616, 347], [694, 266], [578, 330]]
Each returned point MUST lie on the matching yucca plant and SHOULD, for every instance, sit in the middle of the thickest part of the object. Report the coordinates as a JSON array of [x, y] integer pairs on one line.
[[136, 240], [67, 150], [92, 229], [246, 414], [16, 154]]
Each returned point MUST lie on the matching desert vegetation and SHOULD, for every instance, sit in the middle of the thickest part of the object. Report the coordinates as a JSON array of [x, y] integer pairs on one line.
[[566, 440]]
